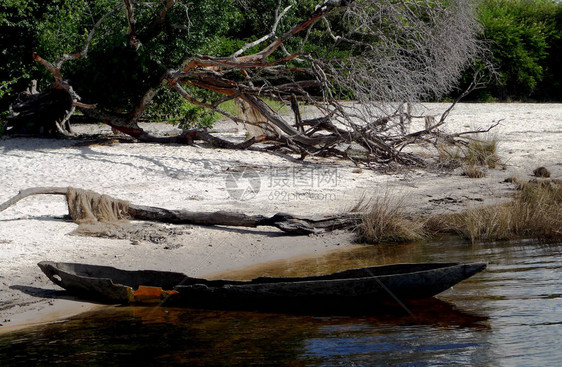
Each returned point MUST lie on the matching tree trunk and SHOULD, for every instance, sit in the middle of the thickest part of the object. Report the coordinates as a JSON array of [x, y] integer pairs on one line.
[[254, 118], [42, 114]]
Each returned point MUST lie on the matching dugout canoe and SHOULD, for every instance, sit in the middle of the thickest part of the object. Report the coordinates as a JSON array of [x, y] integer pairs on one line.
[[350, 288]]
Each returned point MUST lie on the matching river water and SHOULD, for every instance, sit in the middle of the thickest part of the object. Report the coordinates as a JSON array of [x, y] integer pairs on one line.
[[508, 315]]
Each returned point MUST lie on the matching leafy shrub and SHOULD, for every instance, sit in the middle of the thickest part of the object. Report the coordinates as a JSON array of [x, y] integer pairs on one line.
[[526, 38]]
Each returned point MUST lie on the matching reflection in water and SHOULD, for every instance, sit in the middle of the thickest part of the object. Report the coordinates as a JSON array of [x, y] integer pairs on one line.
[[170, 336], [356, 257], [508, 315]]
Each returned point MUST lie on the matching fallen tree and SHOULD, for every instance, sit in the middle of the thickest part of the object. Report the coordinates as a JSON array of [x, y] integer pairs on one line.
[[385, 54], [90, 209]]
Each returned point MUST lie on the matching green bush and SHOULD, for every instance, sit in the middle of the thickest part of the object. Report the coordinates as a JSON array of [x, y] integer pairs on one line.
[[525, 39], [115, 76]]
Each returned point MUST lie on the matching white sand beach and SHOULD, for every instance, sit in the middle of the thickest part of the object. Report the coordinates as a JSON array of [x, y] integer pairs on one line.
[[197, 178]]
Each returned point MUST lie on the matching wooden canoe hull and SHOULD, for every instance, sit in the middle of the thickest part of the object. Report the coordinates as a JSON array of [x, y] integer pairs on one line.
[[342, 293], [350, 288], [104, 283]]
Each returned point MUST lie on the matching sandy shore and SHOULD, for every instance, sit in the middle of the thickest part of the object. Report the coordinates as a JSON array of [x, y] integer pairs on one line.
[[198, 178]]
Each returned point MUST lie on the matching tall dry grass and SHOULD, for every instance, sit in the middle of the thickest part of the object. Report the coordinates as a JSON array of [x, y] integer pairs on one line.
[[482, 152], [385, 220], [475, 153], [534, 212]]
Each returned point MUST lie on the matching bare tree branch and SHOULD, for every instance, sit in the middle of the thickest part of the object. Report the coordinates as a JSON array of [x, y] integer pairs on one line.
[[132, 21], [264, 38], [385, 54], [84, 53]]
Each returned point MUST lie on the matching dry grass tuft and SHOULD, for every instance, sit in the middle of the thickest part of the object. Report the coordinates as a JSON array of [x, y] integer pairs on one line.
[[385, 221], [475, 152], [482, 152], [534, 212], [473, 172]]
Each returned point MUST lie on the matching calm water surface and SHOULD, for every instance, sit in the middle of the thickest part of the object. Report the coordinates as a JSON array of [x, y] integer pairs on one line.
[[509, 315]]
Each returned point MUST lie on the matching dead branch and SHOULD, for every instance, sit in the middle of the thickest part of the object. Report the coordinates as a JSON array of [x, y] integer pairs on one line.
[[285, 222], [189, 136], [132, 21], [395, 53], [432, 129], [63, 125], [33, 191], [267, 36], [477, 131], [84, 53]]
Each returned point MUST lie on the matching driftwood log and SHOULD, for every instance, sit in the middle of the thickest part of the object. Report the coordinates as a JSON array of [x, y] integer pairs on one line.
[[286, 222]]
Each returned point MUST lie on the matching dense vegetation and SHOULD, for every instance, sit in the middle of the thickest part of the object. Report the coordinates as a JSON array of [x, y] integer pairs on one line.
[[526, 38], [526, 43], [61, 27]]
